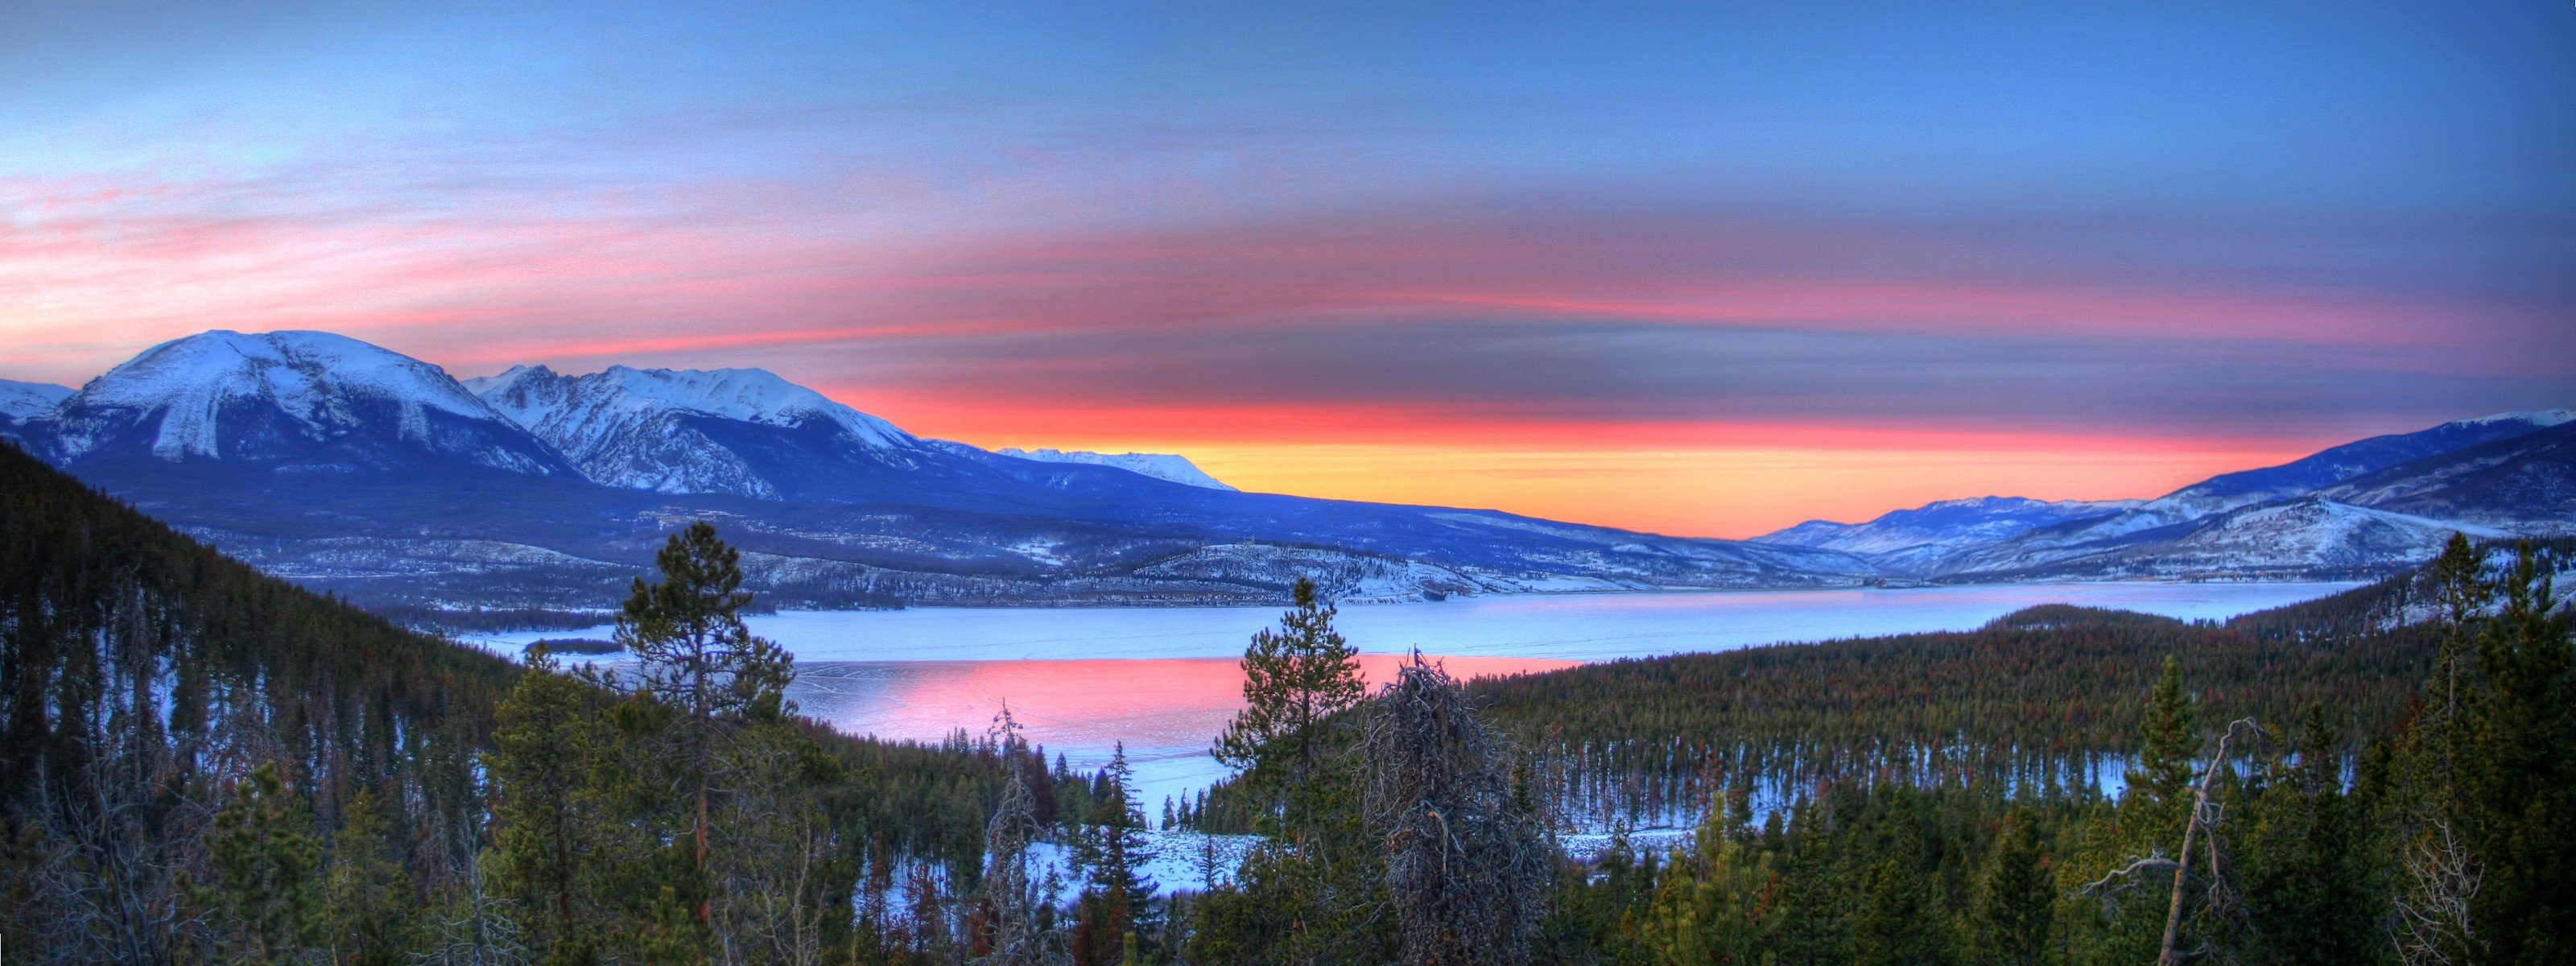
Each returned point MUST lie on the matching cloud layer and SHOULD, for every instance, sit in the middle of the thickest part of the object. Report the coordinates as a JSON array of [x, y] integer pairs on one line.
[[2128, 245]]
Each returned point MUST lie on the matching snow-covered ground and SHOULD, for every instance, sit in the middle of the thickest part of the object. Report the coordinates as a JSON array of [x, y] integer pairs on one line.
[[1183, 861]]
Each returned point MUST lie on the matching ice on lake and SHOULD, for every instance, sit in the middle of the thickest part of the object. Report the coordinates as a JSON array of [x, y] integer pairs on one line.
[[1163, 680]]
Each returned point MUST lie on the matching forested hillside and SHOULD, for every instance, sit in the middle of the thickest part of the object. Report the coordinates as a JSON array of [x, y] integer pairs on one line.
[[2064, 786], [2048, 694], [204, 764]]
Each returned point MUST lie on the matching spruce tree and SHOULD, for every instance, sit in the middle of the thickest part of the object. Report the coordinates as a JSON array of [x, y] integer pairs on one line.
[[1117, 901], [2309, 895]]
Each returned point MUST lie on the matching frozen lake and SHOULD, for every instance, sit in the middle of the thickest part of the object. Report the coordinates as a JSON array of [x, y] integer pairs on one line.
[[1164, 681]]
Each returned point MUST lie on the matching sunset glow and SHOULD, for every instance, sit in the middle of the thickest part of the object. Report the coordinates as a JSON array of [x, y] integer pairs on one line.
[[1575, 267]]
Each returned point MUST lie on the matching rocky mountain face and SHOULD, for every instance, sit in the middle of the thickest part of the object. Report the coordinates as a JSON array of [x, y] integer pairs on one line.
[[348, 466], [743, 432]]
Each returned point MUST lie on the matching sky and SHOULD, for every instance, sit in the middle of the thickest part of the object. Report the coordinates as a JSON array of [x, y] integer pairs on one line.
[[1706, 269]]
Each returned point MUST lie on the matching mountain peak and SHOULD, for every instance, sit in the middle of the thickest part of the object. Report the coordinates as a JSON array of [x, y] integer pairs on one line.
[[310, 376], [24, 400], [697, 431], [529, 393], [1941, 525], [1162, 466], [305, 398], [2335, 465], [2537, 419]]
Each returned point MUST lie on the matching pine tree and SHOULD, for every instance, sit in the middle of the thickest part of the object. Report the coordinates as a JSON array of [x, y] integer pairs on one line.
[[699, 659], [2437, 868], [2462, 589], [2309, 894], [2519, 776], [547, 744], [265, 859], [1307, 892], [2016, 897], [2158, 799], [1294, 678], [372, 920]]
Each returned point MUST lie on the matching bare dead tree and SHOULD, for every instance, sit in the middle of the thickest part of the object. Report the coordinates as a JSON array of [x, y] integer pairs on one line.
[[2204, 816], [2433, 910], [1010, 895], [1467, 861]]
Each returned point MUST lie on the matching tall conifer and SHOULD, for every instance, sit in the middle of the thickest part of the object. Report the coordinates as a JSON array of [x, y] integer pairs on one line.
[[701, 661]]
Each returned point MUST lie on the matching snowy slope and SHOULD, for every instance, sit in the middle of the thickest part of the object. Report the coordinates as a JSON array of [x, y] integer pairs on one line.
[[23, 400], [1161, 466], [2331, 466], [1904, 539], [2179, 532], [2304, 537], [666, 430], [2525, 485], [311, 399], [532, 394]]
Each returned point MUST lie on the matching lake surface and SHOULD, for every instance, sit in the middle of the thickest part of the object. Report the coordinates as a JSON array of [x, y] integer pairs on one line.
[[1164, 681]]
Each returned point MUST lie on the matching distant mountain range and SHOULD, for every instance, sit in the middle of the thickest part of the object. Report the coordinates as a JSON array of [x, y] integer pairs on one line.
[[351, 467], [2365, 508]]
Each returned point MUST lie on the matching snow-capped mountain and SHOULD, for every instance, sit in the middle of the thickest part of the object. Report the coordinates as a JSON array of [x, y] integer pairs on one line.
[[1161, 466], [347, 466], [740, 431], [289, 402], [23, 400], [1904, 540]]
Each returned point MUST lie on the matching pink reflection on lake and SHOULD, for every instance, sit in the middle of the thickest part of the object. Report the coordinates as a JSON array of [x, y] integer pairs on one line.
[[1167, 710], [1163, 701]]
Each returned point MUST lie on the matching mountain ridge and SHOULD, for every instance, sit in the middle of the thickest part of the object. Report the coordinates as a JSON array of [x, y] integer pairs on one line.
[[351, 467]]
